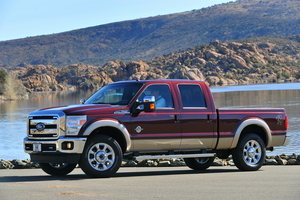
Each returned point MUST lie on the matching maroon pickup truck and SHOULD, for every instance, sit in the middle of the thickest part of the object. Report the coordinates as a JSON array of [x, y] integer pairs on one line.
[[151, 119]]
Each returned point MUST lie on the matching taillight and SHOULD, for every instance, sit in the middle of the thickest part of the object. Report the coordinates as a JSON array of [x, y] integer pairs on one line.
[[286, 122]]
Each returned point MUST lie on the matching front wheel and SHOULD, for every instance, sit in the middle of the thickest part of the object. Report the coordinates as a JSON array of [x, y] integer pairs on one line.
[[249, 155], [198, 163], [57, 169], [102, 157]]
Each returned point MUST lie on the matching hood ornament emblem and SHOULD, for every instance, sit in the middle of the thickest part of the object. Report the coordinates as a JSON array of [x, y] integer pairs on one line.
[[138, 129], [40, 126]]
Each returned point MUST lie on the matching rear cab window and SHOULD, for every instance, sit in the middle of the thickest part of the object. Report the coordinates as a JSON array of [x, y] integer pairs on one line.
[[192, 96]]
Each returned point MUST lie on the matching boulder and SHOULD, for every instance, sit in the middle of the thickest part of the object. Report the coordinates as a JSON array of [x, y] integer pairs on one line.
[[194, 74], [212, 54], [271, 161], [198, 60], [4, 164], [187, 73], [217, 162], [293, 162], [164, 163], [213, 80], [238, 61]]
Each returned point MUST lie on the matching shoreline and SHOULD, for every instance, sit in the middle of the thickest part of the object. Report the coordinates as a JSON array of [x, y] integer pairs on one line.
[[282, 159], [32, 94]]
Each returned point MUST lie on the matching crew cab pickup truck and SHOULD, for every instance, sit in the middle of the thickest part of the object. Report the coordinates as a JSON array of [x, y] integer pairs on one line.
[[151, 119]]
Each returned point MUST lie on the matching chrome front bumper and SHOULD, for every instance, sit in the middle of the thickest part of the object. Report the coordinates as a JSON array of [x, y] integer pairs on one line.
[[66, 145]]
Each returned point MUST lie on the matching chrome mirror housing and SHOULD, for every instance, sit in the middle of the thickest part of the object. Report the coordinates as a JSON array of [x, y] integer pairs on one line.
[[82, 101]]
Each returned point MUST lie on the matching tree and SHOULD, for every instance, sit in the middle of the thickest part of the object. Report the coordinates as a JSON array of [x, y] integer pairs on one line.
[[12, 87], [3, 75]]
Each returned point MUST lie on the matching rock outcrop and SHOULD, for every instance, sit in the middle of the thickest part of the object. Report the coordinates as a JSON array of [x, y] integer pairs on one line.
[[218, 63]]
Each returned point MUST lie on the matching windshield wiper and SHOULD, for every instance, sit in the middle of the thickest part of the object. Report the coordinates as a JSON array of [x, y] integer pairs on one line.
[[100, 103]]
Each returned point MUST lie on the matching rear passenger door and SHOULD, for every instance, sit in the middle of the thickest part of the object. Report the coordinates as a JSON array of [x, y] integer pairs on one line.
[[197, 123]]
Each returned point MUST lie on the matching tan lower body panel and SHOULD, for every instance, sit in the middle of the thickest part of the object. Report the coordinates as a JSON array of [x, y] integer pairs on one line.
[[156, 145], [278, 140]]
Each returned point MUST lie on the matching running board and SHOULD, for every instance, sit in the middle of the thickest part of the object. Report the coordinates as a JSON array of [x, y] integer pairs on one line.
[[202, 155]]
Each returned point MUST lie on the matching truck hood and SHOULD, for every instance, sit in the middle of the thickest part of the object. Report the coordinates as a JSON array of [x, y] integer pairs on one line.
[[83, 109]]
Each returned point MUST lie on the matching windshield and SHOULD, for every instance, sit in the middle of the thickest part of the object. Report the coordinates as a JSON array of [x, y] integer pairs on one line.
[[115, 94]]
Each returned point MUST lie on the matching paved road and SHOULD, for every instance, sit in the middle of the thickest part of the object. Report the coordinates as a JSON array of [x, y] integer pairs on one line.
[[270, 182]]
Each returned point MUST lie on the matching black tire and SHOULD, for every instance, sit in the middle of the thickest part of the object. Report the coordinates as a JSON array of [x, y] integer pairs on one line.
[[250, 153], [198, 163], [102, 157], [57, 169]]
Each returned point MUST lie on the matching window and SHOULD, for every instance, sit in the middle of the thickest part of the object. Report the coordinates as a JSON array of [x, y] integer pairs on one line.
[[192, 96], [115, 94], [162, 94]]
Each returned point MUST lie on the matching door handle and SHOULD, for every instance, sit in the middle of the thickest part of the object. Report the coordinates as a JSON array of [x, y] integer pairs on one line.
[[209, 118], [175, 117]]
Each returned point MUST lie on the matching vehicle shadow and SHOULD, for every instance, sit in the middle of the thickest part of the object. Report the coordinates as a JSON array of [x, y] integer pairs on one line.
[[162, 171], [168, 172]]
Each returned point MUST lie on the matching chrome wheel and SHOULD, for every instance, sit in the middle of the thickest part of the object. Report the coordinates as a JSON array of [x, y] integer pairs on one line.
[[252, 152], [198, 163], [101, 156], [202, 160], [58, 165]]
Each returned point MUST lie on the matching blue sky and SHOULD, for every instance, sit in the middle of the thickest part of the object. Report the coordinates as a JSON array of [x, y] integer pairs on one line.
[[24, 18]]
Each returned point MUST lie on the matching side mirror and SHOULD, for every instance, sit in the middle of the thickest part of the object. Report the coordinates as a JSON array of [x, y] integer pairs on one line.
[[82, 101], [147, 105]]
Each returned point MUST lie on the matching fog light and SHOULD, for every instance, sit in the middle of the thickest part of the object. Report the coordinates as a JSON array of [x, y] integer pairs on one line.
[[67, 145]]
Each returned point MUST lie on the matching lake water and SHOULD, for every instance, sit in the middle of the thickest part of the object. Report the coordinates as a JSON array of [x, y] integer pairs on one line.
[[13, 114]]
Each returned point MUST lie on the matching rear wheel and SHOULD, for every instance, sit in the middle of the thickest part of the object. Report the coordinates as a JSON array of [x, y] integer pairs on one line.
[[249, 155], [198, 163], [57, 169], [102, 157]]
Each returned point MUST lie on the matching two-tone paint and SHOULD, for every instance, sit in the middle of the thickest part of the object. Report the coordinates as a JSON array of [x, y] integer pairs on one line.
[[169, 129]]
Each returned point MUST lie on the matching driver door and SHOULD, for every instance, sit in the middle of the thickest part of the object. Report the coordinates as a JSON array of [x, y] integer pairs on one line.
[[159, 130]]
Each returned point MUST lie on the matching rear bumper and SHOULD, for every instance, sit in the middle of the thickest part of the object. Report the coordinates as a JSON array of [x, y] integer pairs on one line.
[[286, 141]]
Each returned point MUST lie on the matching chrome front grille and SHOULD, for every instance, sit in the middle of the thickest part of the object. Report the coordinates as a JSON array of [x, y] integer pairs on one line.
[[44, 127]]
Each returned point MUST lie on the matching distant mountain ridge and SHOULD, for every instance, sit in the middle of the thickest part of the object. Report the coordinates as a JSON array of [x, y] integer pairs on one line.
[[146, 38], [251, 61]]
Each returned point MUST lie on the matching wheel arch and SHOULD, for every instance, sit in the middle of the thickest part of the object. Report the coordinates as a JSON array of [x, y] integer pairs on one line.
[[113, 129], [253, 125]]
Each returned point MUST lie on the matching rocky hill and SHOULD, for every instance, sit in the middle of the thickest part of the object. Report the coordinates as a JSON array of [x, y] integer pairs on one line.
[[143, 39], [219, 63]]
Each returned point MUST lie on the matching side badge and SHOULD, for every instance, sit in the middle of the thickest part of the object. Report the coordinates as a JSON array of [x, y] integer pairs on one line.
[[279, 120], [138, 129]]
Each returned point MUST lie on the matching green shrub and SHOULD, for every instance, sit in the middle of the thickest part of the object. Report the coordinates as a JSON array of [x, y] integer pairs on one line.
[[286, 74], [212, 60], [247, 59], [3, 75]]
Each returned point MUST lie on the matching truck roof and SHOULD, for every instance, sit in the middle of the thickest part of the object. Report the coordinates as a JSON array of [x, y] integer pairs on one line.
[[161, 81]]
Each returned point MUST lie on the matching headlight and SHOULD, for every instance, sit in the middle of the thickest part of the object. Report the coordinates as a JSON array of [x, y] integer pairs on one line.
[[74, 124]]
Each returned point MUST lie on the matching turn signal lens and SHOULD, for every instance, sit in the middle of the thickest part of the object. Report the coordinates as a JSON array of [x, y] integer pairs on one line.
[[286, 122], [152, 106]]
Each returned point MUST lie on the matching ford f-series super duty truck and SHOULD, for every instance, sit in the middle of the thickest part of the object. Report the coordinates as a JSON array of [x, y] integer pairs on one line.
[[151, 119]]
